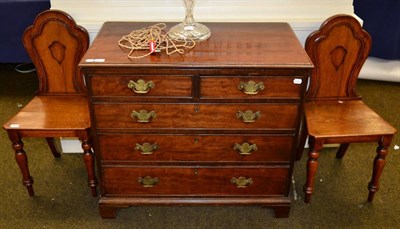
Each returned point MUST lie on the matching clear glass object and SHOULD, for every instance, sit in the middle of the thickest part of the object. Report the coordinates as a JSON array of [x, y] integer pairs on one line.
[[189, 28]]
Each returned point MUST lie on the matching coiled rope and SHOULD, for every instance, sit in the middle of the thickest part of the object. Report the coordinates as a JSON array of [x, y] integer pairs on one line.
[[153, 39]]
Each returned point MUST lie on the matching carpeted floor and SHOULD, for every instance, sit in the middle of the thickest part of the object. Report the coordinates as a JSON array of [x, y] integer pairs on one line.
[[63, 199]]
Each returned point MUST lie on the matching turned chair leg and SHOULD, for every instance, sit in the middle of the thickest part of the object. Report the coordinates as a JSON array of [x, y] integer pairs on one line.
[[379, 164], [88, 159], [22, 161], [53, 148], [312, 165]]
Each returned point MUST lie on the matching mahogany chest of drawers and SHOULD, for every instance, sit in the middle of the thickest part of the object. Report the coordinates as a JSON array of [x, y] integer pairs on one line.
[[217, 125]]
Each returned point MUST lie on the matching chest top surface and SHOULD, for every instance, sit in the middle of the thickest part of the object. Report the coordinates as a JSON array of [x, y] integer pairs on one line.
[[259, 45]]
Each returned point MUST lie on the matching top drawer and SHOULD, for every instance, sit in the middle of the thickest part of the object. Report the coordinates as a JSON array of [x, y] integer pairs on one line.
[[250, 87], [142, 85]]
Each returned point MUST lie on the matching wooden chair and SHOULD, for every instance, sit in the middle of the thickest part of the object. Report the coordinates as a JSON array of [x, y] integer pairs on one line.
[[334, 114], [55, 45]]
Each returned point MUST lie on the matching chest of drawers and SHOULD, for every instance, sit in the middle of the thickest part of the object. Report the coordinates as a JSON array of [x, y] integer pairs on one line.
[[215, 126]]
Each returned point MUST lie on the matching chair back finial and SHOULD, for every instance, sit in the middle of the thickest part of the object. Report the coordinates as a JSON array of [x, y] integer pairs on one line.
[[338, 50], [56, 44]]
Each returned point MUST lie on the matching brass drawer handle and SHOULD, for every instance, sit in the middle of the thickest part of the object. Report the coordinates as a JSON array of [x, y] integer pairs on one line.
[[248, 116], [140, 87], [251, 87], [241, 182], [146, 148], [245, 148], [143, 115], [147, 181]]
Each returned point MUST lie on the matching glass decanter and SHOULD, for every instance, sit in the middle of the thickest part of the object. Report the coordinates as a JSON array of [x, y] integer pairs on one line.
[[189, 28]]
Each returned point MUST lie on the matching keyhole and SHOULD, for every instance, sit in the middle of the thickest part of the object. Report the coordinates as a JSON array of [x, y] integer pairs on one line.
[[196, 172], [196, 140], [196, 109]]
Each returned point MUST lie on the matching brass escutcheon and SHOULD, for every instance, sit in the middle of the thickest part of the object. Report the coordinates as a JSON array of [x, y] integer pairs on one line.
[[248, 116], [251, 87], [148, 181], [143, 115], [245, 148], [241, 182], [146, 148], [140, 87]]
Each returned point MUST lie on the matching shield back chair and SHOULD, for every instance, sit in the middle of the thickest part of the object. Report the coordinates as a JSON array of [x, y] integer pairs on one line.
[[55, 44], [334, 113]]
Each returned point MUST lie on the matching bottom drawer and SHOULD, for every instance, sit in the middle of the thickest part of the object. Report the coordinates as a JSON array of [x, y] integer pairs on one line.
[[195, 181]]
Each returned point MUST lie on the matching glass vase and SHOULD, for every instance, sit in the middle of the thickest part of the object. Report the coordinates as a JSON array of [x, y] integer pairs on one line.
[[189, 28]]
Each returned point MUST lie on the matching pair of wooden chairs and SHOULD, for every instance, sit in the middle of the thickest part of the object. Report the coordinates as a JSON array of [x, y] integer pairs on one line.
[[55, 45], [333, 113]]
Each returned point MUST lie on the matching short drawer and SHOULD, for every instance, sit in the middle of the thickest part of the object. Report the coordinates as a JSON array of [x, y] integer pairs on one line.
[[202, 116], [218, 87], [142, 86], [189, 148], [206, 181]]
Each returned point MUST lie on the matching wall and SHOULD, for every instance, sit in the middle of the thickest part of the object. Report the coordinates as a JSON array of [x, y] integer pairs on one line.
[[304, 16]]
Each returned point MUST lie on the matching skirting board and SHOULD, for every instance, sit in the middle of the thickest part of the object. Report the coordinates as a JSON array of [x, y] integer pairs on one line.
[[380, 69], [71, 145]]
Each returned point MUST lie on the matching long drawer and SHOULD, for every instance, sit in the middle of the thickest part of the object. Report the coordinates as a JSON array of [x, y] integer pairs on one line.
[[205, 148], [196, 116], [193, 181]]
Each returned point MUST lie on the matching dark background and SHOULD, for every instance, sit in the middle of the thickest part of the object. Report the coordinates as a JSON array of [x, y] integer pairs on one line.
[[382, 21]]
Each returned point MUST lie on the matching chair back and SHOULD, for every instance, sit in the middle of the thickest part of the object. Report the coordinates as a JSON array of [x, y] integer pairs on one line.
[[56, 44], [338, 50]]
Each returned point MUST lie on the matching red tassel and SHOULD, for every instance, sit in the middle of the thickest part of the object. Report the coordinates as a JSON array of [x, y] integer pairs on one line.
[[152, 46]]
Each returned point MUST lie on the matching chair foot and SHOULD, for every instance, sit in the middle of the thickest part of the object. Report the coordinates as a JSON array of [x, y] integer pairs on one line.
[[371, 196], [312, 166], [378, 165], [307, 194], [88, 159], [372, 190], [307, 198], [28, 184], [22, 161], [93, 186]]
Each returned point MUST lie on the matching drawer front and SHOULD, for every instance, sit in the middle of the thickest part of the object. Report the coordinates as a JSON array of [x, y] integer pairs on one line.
[[162, 181], [215, 87], [200, 116], [205, 148], [142, 86]]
